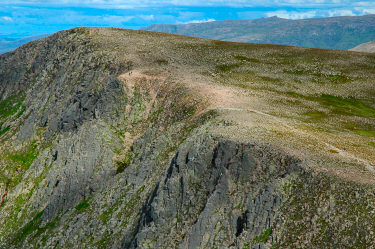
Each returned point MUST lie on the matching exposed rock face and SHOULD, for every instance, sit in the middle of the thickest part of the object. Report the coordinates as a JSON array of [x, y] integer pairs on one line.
[[81, 164], [96, 153], [214, 194]]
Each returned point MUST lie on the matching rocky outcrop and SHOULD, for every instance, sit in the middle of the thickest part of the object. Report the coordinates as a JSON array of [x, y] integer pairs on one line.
[[214, 194], [70, 102]]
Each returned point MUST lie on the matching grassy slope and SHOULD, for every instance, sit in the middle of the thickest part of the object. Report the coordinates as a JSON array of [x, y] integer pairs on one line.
[[317, 104]]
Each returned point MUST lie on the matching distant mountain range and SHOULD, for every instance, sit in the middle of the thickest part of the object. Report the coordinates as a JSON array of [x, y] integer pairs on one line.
[[343, 32], [8, 44], [368, 47]]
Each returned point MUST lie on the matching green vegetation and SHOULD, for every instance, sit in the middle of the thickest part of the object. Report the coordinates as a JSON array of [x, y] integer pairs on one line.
[[138, 107], [82, 205], [17, 162], [352, 205], [339, 79], [5, 130], [25, 157], [161, 62], [270, 79], [224, 68], [18, 210], [197, 186], [315, 115], [23, 109], [122, 165], [29, 228], [10, 106], [35, 229], [263, 237], [339, 105], [239, 206], [246, 246], [366, 133], [347, 106]]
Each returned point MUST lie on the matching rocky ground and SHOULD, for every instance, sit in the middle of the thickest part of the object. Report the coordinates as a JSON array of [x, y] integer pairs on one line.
[[114, 138]]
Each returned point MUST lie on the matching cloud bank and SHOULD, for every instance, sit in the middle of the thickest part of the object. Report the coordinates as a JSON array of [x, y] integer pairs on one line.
[[154, 3]]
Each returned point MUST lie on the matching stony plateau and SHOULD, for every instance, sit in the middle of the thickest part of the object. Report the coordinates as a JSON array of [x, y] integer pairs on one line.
[[115, 138]]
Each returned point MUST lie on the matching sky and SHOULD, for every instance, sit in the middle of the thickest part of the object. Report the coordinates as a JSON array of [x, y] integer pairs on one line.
[[21, 18]]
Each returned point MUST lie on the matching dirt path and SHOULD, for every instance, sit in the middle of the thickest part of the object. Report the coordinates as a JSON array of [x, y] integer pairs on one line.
[[232, 99], [229, 98]]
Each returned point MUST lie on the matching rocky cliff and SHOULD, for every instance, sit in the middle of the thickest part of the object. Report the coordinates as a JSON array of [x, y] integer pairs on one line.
[[130, 139]]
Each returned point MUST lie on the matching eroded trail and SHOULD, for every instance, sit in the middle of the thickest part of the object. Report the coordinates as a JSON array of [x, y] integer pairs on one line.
[[239, 100], [232, 99], [242, 104]]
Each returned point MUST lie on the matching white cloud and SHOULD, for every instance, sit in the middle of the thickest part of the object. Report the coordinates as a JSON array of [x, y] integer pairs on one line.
[[147, 17], [115, 19], [364, 4], [368, 11], [7, 18], [319, 13], [340, 13], [149, 3], [292, 14], [201, 21], [365, 10]]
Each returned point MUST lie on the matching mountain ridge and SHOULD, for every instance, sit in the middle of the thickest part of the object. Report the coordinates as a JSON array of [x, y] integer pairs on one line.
[[9, 44], [332, 32], [116, 138]]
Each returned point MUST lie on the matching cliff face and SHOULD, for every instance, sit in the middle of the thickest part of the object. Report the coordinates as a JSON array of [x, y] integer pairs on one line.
[[129, 139]]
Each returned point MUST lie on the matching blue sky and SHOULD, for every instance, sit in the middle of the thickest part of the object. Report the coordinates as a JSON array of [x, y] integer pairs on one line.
[[19, 18]]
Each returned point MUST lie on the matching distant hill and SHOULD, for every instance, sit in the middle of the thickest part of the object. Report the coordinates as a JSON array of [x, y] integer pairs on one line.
[[368, 47], [9, 44], [343, 32]]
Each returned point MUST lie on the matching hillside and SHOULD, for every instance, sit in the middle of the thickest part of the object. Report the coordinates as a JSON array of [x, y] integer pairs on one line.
[[115, 138], [343, 32], [368, 47], [9, 44]]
